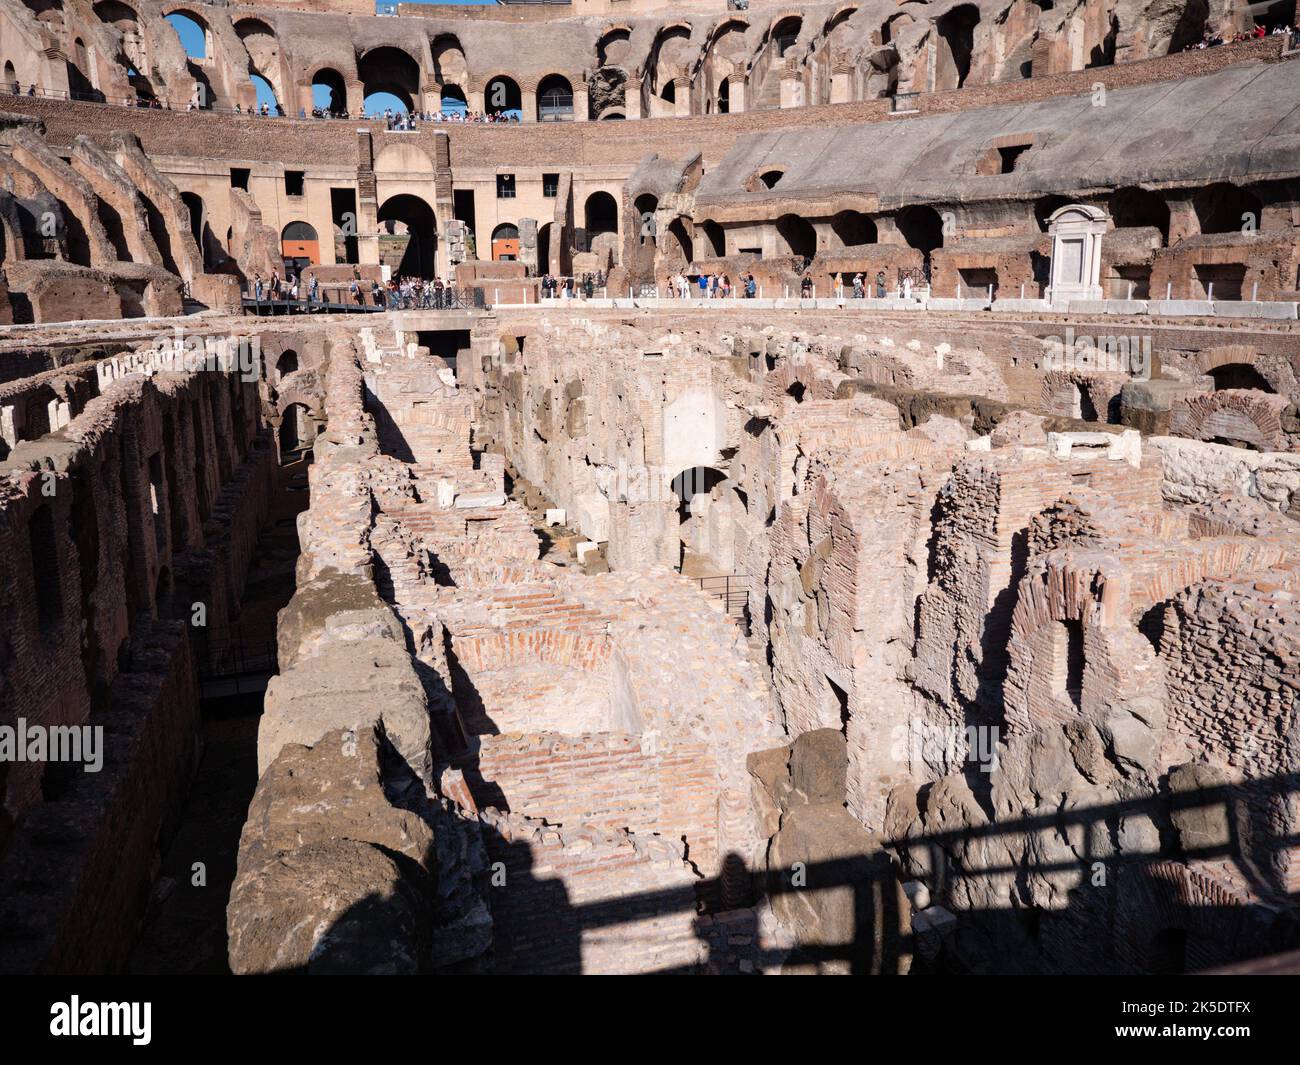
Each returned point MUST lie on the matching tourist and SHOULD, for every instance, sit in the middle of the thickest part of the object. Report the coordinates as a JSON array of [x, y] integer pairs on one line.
[[907, 286], [704, 286], [806, 287], [313, 289], [858, 291], [293, 288], [751, 287], [257, 287], [880, 285]]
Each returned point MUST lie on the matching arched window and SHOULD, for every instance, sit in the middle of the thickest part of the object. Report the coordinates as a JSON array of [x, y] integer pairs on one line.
[[554, 99], [502, 97], [601, 214], [328, 91]]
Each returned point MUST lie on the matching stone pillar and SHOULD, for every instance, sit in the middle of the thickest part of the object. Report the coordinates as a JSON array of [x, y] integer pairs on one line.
[[474, 100], [528, 244], [581, 106], [632, 98], [792, 94], [682, 97], [1076, 232], [736, 96], [841, 86], [528, 104], [356, 99]]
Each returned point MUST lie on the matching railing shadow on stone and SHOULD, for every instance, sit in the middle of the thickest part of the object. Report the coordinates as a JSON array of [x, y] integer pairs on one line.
[[1142, 921]]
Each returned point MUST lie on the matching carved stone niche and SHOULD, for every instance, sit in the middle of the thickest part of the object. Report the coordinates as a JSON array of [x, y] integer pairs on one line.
[[1076, 232]]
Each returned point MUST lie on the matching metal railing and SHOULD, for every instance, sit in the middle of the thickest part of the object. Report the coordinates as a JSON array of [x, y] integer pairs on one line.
[[731, 589]]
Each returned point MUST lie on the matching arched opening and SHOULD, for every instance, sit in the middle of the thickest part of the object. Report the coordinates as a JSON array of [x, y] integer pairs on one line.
[[853, 228], [11, 76], [1239, 375], [263, 61], [266, 97], [784, 35], [796, 391], [453, 100], [614, 46], [544, 248], [300, 247], [796, 236], [555, 99], [716, 238], [410, 217], [195, 39], [957, 31], [682, 240], [505, 243], [922, 228], [600, 214], [1226, 208], [192, 32], [1132, 208], [388, 72], [694, 489], [296, 432], [199, 228], [79, 85], [286, 364], [449, 65], [329, 92], [645, 206], [502, 97], [771, 178]]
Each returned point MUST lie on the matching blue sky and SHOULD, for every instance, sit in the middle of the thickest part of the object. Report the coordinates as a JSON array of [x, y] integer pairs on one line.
[[191, 35]]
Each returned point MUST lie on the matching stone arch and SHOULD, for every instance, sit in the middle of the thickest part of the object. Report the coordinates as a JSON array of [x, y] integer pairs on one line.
[[188, 17], [502, 95], [390, 69], [450, 66], [264, 56], [614, 45], [922, 228], [554, 99], [286, 364], [334, 84], [796, 236], [600, 214], [420, 259], [1238, 417], [853, 228], [1078, 394]]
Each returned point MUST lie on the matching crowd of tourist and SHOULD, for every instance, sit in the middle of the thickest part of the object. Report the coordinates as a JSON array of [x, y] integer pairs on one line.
[[1210, 40], [398, 293], [567, 288]]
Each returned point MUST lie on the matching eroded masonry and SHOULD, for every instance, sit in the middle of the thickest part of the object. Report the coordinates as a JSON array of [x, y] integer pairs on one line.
[[926, 602]]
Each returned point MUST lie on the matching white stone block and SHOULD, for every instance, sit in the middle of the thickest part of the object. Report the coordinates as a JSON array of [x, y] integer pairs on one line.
[[555, 516]]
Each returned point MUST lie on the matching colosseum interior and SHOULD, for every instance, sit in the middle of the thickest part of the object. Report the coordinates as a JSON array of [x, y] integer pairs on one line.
[[876, 554]]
